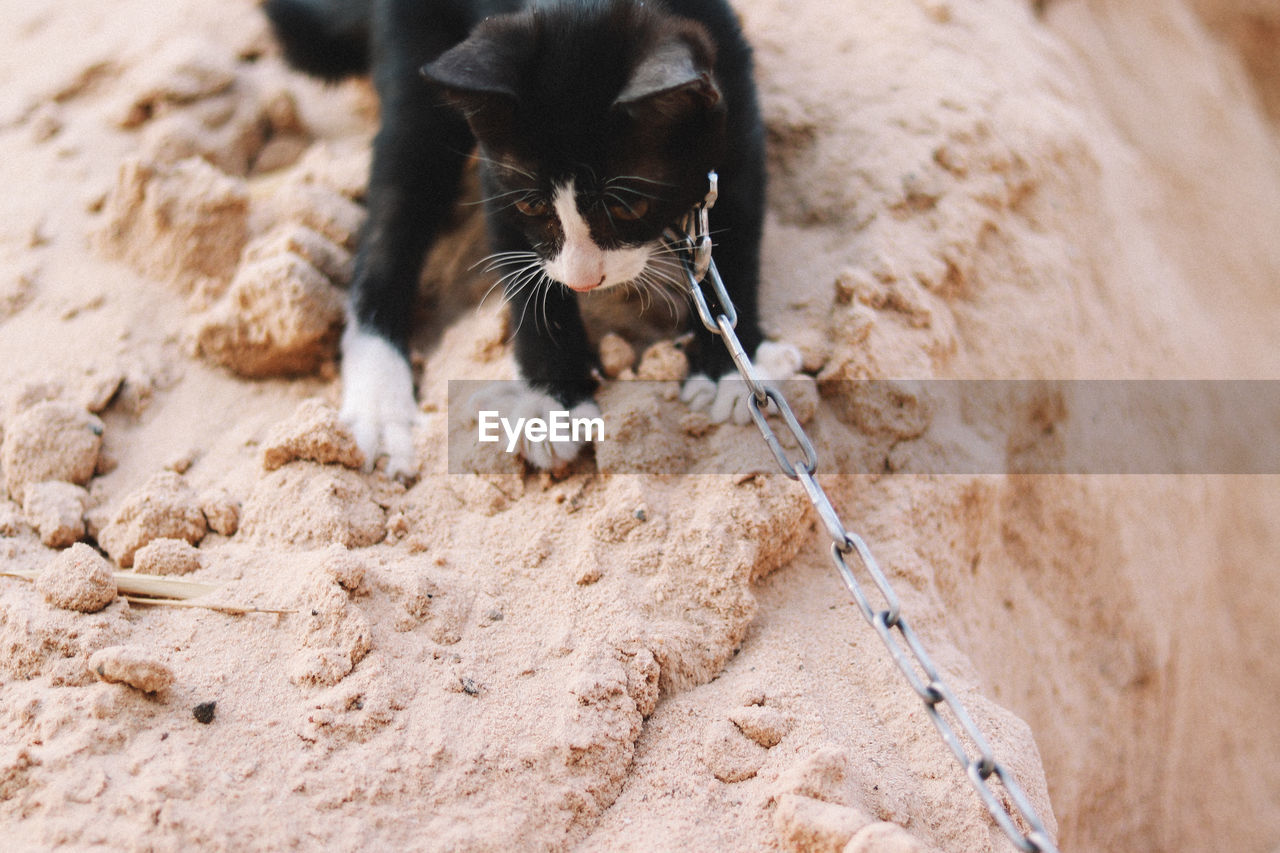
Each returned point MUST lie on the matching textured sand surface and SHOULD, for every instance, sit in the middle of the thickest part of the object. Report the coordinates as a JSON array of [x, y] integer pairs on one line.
[[638, 661]]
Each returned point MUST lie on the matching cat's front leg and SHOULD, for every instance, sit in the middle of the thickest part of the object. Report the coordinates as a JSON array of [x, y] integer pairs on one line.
[[726, 399], [418, 157], [564, 432], [557, 368], [378, 403]]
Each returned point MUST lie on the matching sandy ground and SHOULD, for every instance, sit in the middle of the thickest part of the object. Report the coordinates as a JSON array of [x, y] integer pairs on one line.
[[635, 661]]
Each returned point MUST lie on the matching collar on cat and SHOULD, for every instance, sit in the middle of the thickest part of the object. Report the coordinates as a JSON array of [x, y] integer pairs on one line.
[[692, 231], [691, 235]]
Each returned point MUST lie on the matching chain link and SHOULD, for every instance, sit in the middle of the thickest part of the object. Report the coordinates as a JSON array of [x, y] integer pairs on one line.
[[693, 238]]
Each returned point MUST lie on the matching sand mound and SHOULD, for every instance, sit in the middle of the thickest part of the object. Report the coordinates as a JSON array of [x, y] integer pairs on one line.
[[636, 659]]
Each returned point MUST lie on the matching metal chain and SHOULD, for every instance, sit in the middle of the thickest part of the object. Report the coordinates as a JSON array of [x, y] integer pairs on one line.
[[693, 238]]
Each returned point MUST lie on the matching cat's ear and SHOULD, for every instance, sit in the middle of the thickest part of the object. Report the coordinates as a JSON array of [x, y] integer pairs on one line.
[[673, 75], [479, 76]]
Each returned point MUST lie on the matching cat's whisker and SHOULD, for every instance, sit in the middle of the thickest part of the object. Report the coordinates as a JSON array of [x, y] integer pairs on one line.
[[524, 308], [507, 166], [496, 284], [547, 284], [513, 282], [506, 277], [491, 198], [515, 263], [655, 283], [662, 276], [637, 285], [613, 193], [497, 260], [627, 204], [621, 180]]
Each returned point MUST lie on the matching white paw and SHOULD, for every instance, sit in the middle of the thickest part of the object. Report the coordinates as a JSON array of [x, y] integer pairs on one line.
[[518, 410], [777, 362], [377, 400], [726, 399]]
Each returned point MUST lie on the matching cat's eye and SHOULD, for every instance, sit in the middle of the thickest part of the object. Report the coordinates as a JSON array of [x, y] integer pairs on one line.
[[533, 206], [629, 211]]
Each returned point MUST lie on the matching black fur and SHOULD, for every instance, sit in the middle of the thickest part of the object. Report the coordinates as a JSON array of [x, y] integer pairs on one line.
[[327, 38], [549, 91]]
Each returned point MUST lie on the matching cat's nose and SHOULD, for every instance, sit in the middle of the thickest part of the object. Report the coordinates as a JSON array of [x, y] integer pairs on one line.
[[580, 264], [585, 283]]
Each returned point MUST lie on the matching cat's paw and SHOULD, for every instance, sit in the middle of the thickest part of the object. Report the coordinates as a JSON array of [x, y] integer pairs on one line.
[[726, 399], [550, 448], [377, 401]]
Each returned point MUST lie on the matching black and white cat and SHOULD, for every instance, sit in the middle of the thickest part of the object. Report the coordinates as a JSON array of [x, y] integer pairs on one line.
[[597, 122]]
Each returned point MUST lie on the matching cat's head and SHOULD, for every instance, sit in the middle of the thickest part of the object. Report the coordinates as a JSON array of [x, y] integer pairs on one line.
[[598, 123]]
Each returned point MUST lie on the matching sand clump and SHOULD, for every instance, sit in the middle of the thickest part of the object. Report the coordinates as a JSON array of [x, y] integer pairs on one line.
[[51, 440], [167, 557], [77, 579], [280, 317], [193, 100], [806, 824], [56, 510], [165, 507], [334, 637], [765, 726], [131, 665], [314, 434], [184, 224], [335, 262], [188, 224], [187, 70], [221, 511], [345, 568], [257, 268], [663, 361], [308, 505], [884, 837]]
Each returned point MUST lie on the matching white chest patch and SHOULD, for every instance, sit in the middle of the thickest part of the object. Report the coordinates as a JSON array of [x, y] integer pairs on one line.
[[581, 264]]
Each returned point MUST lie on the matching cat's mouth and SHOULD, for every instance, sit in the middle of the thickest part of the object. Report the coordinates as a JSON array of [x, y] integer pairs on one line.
[[584, 268], [584, 287]]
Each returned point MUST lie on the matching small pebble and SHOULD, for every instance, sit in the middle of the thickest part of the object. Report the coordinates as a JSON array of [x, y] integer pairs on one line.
[[663, 361], [204, 712], [616, 355]]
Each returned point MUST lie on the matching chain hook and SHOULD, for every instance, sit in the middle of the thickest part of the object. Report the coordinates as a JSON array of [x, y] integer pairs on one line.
[[701, 237]]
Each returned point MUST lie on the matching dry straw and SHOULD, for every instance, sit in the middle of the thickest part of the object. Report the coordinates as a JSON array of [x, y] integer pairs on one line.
[[162, 591]]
